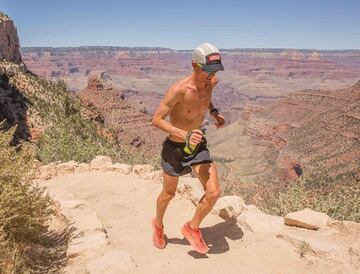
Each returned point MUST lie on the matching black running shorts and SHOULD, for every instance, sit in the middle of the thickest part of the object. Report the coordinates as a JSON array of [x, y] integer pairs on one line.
[[176, 162]]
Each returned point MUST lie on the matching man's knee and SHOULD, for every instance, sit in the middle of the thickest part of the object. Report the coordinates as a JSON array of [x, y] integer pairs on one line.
[[213, 195], [167, 196]]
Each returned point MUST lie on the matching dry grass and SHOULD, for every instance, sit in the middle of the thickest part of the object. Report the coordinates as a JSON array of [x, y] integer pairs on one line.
[[26, 245], [341, 202]]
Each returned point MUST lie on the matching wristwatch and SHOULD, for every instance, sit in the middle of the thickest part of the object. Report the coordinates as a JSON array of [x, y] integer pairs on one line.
[[214, 110]]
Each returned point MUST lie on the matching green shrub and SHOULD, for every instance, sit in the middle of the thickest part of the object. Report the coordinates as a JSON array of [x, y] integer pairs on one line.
[[73, 138]]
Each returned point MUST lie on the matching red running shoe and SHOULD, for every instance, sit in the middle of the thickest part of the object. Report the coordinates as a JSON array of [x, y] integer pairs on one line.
[[195, 238], [158, 235]]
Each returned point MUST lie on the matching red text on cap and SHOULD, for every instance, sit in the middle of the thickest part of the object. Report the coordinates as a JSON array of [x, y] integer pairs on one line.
[[214, 57]]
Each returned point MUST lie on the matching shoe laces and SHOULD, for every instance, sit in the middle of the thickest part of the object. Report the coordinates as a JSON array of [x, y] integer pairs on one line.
[[201, 237]]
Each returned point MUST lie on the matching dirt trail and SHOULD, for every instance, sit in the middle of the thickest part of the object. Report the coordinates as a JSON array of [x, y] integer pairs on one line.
[[125, 204]]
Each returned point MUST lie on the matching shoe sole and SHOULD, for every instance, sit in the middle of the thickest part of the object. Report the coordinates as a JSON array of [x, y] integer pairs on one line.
[[190, 240], [153, 227]]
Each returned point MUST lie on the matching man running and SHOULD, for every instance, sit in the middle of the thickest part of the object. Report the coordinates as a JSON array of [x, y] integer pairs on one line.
[[187, 102]]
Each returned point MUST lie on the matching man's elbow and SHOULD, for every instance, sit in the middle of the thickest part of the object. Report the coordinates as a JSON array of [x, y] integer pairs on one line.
[[155, 121]]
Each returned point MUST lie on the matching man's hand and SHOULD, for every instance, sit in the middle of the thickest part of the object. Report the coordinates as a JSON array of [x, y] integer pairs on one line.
[[195, 137], [220, 120]]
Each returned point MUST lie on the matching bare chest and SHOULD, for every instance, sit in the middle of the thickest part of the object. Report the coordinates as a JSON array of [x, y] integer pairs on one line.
[[193, 106]]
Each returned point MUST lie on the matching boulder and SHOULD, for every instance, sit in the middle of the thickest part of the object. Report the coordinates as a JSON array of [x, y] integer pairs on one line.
[[101, 163], [191, 188], [66, 168], [253, 208], [307, 218], [122, 168], [229, 206], [83, 167], [254, 220], [48, 171]]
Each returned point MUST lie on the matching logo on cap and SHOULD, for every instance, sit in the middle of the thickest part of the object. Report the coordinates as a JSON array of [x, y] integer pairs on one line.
[[213, 58]]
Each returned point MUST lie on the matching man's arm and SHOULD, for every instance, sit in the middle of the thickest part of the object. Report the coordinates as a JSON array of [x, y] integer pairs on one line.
[[171, 98]]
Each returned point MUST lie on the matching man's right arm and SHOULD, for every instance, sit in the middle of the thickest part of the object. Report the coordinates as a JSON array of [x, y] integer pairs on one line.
[[171, 98]]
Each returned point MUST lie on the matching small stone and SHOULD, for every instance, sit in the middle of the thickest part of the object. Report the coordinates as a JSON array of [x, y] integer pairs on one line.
[[229, 206], [66, 168], [191, 188], [122, 168], [102, 163]]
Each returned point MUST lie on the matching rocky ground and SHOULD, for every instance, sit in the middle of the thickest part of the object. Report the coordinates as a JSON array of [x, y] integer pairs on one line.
[[111, 206]]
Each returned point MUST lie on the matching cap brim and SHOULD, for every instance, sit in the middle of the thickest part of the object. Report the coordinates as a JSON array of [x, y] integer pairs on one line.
[[212, 67]]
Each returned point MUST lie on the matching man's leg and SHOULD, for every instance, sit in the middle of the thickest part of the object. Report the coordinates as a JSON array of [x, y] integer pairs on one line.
[[208, 176], [167, 193]]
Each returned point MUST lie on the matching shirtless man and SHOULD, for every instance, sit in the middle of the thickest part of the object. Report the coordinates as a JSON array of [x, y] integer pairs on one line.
[[187, 102]]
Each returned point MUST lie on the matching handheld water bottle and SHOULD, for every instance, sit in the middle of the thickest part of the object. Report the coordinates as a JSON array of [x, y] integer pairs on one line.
[[189, 148]]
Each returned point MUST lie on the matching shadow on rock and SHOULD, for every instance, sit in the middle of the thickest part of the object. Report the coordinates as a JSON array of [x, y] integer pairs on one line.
[[215, 237]]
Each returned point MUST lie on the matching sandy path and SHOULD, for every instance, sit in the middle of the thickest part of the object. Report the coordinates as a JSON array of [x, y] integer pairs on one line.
[[125, 205]]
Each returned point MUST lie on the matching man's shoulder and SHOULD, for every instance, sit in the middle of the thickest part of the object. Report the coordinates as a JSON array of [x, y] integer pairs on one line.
[[182, 86]]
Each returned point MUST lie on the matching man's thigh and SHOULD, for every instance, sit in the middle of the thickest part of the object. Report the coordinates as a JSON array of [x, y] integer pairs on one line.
[[169, 183], [208, 176]]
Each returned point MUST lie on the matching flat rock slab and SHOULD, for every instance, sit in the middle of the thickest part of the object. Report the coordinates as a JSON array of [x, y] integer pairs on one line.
[[307, 218]]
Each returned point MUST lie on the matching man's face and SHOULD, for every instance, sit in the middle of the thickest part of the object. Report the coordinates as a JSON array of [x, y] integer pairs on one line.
[[206, 76]]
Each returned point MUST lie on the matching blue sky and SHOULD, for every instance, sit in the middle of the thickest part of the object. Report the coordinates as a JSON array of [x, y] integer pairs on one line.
[[184, 24]]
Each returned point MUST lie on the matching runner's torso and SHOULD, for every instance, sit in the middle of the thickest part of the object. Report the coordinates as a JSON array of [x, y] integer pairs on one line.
[[189, 113]]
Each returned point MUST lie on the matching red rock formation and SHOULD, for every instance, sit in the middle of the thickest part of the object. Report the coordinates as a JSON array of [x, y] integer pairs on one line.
[[125, 117], [315, 133], [9, 41], [262, 75]]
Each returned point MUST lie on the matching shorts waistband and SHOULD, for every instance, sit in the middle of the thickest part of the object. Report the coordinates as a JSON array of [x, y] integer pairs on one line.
[[179, 144]]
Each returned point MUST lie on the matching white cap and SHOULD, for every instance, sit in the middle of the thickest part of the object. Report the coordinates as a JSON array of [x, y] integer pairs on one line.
[[208, 57]]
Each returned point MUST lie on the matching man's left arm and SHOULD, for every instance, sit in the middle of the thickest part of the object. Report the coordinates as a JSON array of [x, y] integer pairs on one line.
[[214, 112]]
